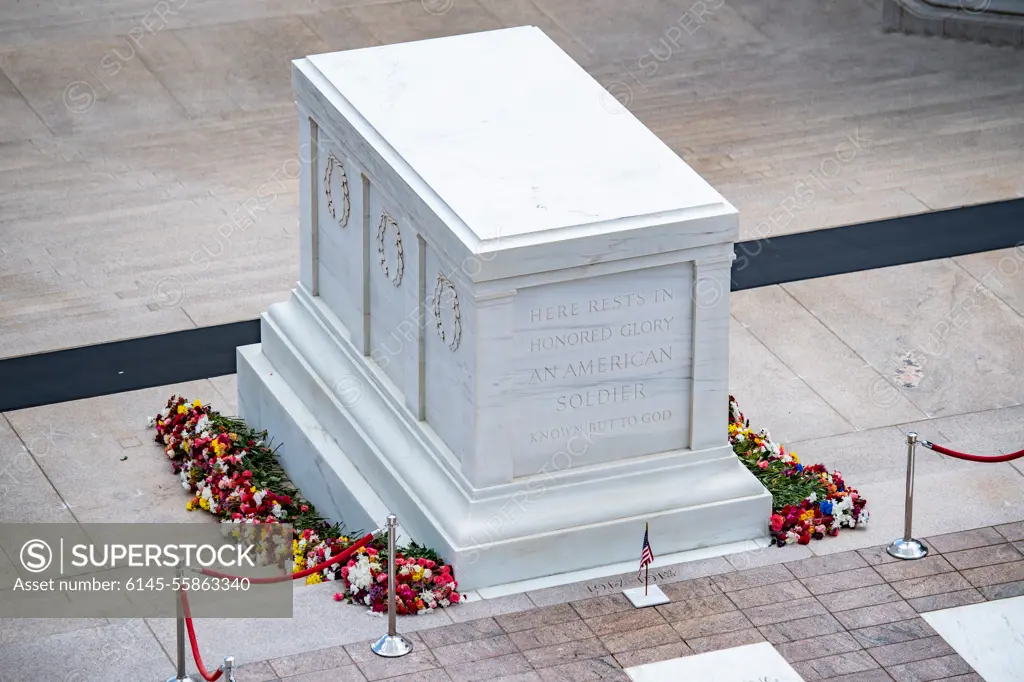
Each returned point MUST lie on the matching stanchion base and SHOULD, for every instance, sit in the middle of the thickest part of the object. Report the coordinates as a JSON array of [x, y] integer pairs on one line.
[[180, 679], [907, 549], [391, 646]]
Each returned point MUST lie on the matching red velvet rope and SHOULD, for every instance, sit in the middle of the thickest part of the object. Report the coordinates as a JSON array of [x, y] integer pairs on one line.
[[340, 556], [972, 458], [209, 677], [212, 677]]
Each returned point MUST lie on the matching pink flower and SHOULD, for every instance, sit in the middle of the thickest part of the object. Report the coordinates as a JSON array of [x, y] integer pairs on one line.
[[763, 464], [777, 522]]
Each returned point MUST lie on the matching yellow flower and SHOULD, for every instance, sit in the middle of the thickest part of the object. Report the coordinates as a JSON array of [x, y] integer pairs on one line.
[[191, 505], [314, 579], [181, 409], [233, 436], [807, 515], [204, 503], [796, 460], [252, 489], [197, 403]]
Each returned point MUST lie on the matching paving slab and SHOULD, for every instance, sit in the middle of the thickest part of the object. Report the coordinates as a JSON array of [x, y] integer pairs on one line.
[[763, 384], [125, 646], [938, 334], [79, 446]]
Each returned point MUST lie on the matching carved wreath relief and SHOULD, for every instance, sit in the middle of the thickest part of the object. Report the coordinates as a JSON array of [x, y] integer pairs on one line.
[[346, 205], [453, 337], [392, 273]]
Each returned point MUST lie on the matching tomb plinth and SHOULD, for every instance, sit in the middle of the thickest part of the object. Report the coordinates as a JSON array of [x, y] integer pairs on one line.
[[512, 324]]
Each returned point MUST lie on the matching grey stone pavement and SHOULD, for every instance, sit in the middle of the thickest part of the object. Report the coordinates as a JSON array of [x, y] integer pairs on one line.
[[131, 131], [122, 167]]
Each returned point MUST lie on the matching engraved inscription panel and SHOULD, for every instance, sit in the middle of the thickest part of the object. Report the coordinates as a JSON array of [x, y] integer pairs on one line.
[[602, 369]]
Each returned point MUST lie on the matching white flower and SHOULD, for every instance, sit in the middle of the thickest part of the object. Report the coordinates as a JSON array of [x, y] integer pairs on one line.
[[426, 575], [202, 423], [813, 497], [360, 576], [445, 603], [151, 421], [740, 438], [278, 511], [258, 497], [207, 492]]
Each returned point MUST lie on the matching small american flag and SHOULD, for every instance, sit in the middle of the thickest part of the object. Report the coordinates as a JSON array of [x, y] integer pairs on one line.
[[646, 555]]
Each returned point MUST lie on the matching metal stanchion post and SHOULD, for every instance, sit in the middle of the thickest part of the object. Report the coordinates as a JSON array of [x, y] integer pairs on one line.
[[181, 675], [229, 669], [392, 645], [907, 547]]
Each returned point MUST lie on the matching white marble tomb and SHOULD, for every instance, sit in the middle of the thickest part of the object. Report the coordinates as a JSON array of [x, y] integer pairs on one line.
[[511, 327]]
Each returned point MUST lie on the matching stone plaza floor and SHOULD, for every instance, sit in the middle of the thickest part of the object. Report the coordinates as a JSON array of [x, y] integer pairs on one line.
[[122, 169]]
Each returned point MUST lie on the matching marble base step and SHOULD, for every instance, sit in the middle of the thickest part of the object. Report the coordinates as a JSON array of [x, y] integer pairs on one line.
[[986, 24], [357, 456]]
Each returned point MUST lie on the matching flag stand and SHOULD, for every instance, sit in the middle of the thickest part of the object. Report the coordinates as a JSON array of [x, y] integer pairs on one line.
[[650, 597], [640, 597]]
